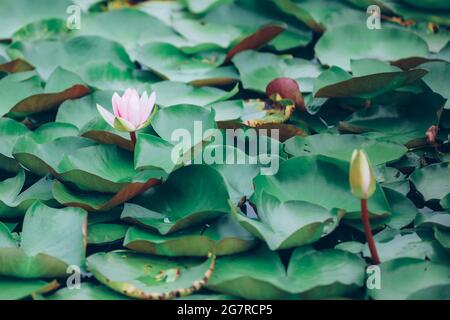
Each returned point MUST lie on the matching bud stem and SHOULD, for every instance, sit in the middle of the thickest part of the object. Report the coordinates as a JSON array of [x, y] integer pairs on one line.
[[133, 138], [368, 232]]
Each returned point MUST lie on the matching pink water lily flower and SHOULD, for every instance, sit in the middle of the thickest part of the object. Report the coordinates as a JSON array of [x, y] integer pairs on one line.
[[131, 112]]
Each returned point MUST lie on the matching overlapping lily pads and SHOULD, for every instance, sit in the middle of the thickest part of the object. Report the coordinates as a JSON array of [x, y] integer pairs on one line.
[[224, 236], [45, 254], [260, 105], [190, 196], [320, 180], [289, 224]]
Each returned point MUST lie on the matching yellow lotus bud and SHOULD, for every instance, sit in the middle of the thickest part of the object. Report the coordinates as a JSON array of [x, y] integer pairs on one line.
[[362, 180]]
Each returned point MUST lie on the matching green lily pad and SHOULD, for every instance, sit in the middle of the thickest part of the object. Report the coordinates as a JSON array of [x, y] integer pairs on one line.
[[187, 94], [17, 13], [322, 14], [16, 289], [438, 75], [18, 87], [443, 237], [402, 278], [10, 131], [149, 277], [99, 130], [289, 224], [50, 130], [14, 202], [387, 44], [202, 6], [402, 208], [61, 86], [110, 170], [238, 174], [191, 195], [408, 245], [224, 236], [336, 82], [258, 274], [50, 28], [257, 69], [178, 129], [88, 291], [251, 14], [445, 202], [227, 110], [46, 55], [81, 111], [171, 63], [438, 219], [107, 76], [342, 146], [324, 274], [153, 152], [319, 180], [433, 181], [49, 253], [405, 122], [43, 158], [133, 29], [104, 233]]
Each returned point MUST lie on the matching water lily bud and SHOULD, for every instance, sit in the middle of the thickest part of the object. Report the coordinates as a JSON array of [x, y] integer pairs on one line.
[[131, 112], [286, 88], [362, 180]]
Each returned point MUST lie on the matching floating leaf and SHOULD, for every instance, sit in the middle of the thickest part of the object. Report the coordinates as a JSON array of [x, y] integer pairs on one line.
[[289, 224], [342, 146], [255, 275], [258, 69], [49, 253], [15, 289], [46, 55], [104, 233], [172, 64], [222, 237], [405, 122], [191, 195], [331, 83], [324, 274], [14, 202], [16, 13], [404, 277], [149, 277], [10, 131], [359, 42], [321, 181], [43, 158], [87, 291], [433, 181]]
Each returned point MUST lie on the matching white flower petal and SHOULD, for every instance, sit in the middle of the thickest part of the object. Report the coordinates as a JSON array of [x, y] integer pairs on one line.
[[134, 105], [148, 108], [142, 107], [116, 103], [108, 116]]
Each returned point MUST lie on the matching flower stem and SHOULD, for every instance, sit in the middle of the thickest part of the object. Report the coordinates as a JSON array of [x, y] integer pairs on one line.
[[368, 232], [133, 138]]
